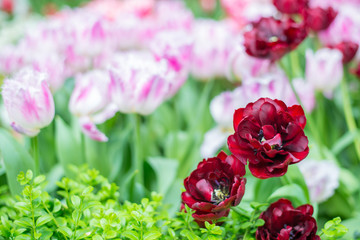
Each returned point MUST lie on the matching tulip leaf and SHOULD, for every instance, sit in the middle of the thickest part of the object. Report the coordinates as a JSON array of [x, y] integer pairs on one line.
[[296, 177], [68, 147], [166, 170], [292, 191], [16, 159]]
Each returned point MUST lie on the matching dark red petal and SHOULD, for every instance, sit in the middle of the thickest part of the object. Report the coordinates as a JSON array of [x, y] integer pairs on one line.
[[297, 112], [238, 116], [306, 209], [267, 114]]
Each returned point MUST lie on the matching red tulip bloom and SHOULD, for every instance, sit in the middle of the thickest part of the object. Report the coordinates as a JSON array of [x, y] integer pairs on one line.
[[356, 71], [348, 49], [215, 186], [318, 19], [290, 6], [284, 222], [271, 38], [270, 136]]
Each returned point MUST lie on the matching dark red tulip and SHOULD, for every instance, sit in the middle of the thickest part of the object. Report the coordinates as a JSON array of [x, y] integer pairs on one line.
[[347, 48], [318, 19], [356, 71], [270, 136], [290, 6], [215, 186], [271, 38], [284, 222]]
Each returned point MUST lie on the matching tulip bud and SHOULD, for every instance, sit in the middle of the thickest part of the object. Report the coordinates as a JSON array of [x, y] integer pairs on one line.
[[28, 101]]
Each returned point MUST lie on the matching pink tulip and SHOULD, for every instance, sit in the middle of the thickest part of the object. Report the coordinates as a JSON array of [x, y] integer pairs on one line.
[[91, 102], [28, 101], [140, 83], [213, 43], [324, 69]]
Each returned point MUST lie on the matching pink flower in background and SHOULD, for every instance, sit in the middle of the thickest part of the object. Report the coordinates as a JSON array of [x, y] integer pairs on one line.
[[245, 11], [91, 102], [53, 66], [28, 101], [324, 69], [345, 27], [140, 83], [175, 47], [321, 177], [242, 66], [213, 43]]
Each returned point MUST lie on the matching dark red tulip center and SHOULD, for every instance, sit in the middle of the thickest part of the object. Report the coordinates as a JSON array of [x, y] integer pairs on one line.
[[261, 136], [221, 191]]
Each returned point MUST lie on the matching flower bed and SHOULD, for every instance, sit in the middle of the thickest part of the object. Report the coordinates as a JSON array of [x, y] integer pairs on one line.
[[144, 119]]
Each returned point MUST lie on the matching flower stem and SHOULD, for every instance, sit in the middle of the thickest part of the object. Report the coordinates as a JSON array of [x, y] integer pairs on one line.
[[35, 153], [310, 121], [137, 150], [349, 117]]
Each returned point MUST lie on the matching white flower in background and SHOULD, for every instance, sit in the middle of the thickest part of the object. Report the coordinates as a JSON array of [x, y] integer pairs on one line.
[[222, 109], [321, 177], [324, 69]]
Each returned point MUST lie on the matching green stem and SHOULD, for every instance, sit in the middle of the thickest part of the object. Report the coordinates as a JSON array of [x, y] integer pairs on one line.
[[137, 150], [35, 153], [286, 180], [83, 147], [349, 117], [310, 122]]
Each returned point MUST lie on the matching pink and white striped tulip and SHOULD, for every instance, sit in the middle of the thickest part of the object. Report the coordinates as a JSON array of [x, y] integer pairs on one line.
[[213, 43], [28, 101], [324, 69], [91, 102], [321, 178], [140, 83]]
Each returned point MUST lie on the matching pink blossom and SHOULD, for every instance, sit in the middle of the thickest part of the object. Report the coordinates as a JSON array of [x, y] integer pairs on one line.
[[324, 69], [245, 11], [345, 27], [140, 83], [242, 66], [91, 102], [174, 46], [28, 101], [210, 57]]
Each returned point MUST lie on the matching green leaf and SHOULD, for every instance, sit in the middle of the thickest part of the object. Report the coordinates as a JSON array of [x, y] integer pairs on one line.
[[166, 171], [131, 235], [43, 220], [16, 159], [57, 205], [189, 235], [97, 237], [292, 191], [23, 237], [152, 235], [75, 200], [24, 222], [68, 147], [39, 179]]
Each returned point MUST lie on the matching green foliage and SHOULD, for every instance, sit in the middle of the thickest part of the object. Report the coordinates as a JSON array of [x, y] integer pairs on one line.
[[333, 229], [89, 207]]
